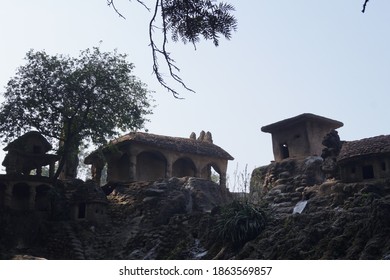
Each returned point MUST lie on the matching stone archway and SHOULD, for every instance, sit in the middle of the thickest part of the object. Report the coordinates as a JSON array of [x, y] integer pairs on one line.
[[151, 165], [42, 198], [21, 196], [184, 167]]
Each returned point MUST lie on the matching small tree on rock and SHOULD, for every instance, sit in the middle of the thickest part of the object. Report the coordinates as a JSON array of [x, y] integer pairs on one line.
[[74, 101]]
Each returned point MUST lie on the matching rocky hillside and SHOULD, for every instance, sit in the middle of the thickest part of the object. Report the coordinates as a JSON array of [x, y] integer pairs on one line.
[[302, 216], [339, 221], [168, 219]]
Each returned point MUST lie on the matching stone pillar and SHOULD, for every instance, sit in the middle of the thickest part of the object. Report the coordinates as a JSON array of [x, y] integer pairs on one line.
[[132, 167], [51, 168], [198, 170], [222, 179], [8, 195], [39, 171], [33, 193], [168, 172], [96, 172]]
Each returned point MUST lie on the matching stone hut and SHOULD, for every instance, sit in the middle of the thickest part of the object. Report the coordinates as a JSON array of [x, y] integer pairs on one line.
[[139, 156], [27, 153], [87, 202], [365, 159], [300, 136]]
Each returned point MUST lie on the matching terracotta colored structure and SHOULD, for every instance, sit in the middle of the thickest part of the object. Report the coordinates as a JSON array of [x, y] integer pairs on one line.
[[300, 136], [365, 159], [141, 156]]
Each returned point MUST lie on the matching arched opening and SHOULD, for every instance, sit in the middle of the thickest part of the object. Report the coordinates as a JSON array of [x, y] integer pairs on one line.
[[183, 167], [3, 188], [20, 196], [151, 166], [123, 168], [284, 151], [42, 199], [368, 172], [212, 172]]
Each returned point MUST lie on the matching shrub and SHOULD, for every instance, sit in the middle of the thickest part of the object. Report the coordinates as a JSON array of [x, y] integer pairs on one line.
[[240, 222]]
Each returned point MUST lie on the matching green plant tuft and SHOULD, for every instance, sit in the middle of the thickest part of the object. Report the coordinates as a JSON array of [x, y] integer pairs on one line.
[[240, 222]]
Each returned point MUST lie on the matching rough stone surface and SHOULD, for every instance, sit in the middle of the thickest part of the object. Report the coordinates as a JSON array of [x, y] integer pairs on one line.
[[175, 219], [167, 219], [340, 221]]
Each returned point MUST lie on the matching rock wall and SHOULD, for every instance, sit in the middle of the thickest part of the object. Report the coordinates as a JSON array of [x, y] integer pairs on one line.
[[339, 221], [176, 218]]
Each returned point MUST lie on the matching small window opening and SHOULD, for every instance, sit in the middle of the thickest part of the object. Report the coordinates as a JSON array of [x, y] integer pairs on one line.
[[368, 172], [82, 208], [383, 166], [353, 169], [284, 150]]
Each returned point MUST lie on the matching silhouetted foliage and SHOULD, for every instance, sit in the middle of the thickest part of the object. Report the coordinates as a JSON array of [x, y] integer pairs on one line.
[[187, 21], [73, 100]]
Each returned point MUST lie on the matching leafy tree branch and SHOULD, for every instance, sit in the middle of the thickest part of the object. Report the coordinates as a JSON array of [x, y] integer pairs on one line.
[[187, 21]]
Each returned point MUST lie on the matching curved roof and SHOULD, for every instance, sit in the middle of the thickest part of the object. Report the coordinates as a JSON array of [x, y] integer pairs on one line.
[[185, 145], [299, 119], [179, 144], [22, 140], [364, 147]]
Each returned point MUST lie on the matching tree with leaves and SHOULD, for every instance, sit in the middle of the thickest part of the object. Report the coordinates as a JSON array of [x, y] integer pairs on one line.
[[74, 101], [187, 21]]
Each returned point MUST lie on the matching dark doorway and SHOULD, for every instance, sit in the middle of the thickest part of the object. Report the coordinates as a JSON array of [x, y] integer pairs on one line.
[[151, 165], [21, 196], [82, 208], [42, 198], [284, 151], [368, 172], [183, 167]]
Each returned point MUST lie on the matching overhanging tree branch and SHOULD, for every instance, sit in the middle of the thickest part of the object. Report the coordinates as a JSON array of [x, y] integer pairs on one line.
[[155, 51], [111, 3], [364, 5], [187, 21]]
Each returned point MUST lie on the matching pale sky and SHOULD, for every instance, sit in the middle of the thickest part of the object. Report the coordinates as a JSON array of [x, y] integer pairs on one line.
[[286, 58]]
